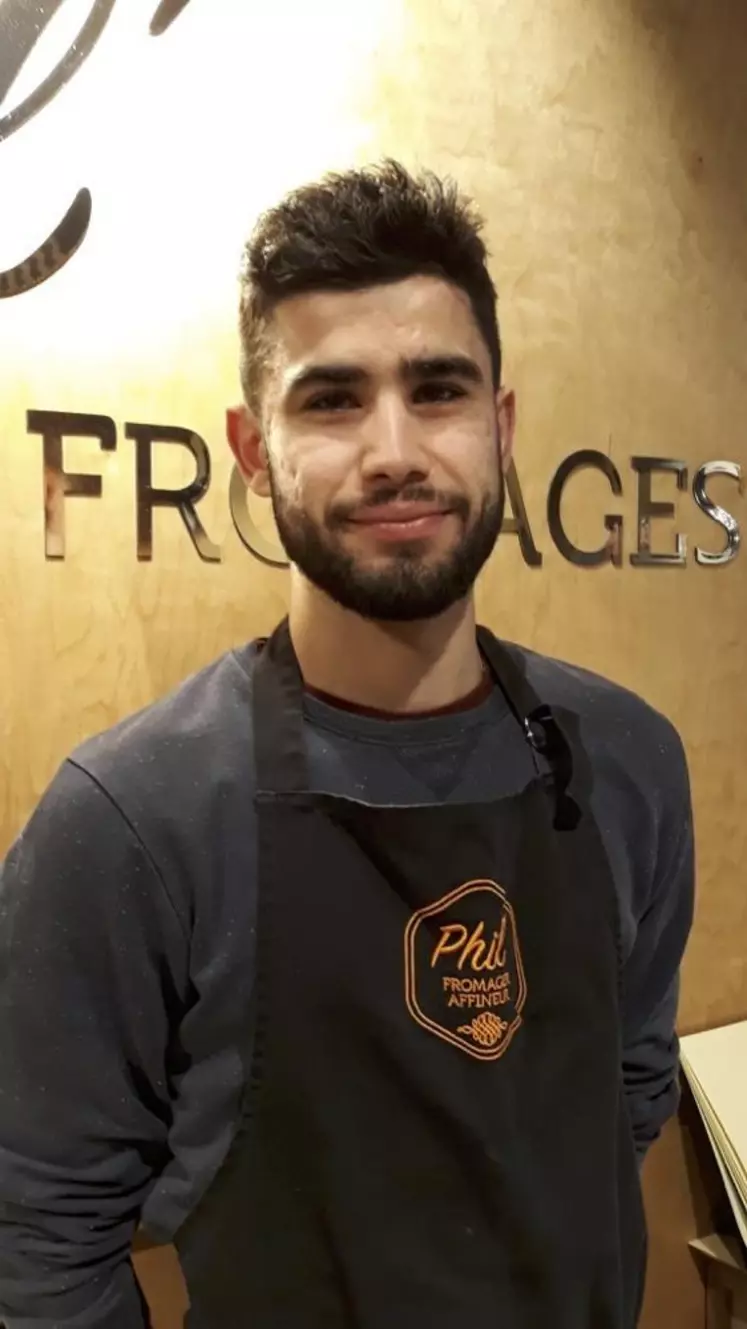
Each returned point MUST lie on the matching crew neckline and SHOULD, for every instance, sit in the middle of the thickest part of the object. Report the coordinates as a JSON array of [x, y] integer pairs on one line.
[[407, 730], [471, 701]]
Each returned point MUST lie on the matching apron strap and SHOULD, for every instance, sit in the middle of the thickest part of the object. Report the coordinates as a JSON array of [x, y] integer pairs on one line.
[[279, 746], [539, 726], [280, 749]]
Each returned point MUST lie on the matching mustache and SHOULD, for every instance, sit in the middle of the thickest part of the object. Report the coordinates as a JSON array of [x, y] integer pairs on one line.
[[341, 513]]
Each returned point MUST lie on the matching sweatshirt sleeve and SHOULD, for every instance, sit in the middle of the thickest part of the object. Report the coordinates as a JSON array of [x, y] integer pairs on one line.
[[651, 976], [93, 975]]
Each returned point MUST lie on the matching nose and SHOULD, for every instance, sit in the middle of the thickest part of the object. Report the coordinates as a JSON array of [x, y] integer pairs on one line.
[[394, 448]]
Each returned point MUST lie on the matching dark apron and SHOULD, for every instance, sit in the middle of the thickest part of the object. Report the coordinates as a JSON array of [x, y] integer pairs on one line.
[[433, 1134]]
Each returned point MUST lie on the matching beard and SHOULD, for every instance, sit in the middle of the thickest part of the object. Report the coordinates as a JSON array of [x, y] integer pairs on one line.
[[407, 585]]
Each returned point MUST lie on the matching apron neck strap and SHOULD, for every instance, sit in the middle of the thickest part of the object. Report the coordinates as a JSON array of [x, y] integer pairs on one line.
[[280, 749], [539, 725], [277, 701]]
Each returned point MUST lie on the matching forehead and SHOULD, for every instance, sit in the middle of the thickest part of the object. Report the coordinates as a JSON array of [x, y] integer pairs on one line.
[[376, 327]]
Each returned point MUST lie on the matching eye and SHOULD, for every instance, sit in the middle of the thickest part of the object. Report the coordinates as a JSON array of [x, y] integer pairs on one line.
[[438, 393], [335, 399]]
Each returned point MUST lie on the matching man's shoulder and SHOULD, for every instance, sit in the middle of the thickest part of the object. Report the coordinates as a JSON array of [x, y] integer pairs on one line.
[[617, 725], [187, 741]]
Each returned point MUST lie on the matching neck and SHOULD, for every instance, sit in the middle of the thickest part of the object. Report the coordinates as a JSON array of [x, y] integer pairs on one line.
[[396, 667]]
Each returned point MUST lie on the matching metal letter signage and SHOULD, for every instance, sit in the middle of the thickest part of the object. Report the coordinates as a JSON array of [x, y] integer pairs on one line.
[[716, 513], [183, 500], [611, 550], [59, 484]]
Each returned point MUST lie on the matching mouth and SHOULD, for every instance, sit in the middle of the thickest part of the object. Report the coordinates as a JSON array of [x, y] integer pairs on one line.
[[406, 521]]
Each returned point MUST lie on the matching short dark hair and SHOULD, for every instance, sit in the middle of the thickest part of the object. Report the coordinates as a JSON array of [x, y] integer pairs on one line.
[[356, 229]]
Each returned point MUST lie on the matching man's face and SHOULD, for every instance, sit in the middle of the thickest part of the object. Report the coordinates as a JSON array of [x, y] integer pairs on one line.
[[382, 445]]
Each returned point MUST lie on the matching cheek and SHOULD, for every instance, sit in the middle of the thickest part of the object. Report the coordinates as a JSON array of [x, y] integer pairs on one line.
[[319, 472], [285, 475], [468, 459]]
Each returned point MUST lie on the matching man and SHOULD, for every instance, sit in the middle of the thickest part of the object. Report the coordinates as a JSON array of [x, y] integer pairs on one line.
[[351, 967]]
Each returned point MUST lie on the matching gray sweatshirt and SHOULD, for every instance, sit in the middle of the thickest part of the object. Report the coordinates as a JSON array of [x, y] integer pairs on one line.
[[127, 949]]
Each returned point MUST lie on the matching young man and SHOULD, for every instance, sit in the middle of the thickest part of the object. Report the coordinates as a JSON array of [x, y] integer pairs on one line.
[[351, 967]]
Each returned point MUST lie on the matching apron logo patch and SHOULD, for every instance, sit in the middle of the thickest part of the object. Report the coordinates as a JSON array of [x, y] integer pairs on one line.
[[464, 979]]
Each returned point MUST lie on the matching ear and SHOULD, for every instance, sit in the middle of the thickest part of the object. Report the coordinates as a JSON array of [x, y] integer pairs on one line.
[[248, 447], [505, 404]]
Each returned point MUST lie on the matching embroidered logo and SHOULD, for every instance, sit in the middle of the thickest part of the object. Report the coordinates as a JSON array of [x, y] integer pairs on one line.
[[464, 979]]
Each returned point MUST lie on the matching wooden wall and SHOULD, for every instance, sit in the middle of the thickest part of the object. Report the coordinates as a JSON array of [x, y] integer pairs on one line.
[[604, 140]]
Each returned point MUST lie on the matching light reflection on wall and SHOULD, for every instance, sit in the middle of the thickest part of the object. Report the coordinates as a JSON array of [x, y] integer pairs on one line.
[[182, 140]]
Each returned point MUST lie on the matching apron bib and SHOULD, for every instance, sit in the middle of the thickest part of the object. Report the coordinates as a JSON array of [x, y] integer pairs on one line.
[[433, 1134]]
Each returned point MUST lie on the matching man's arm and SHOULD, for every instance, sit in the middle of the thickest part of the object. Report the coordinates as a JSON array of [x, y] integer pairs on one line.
[[651, 977], [93, 971]]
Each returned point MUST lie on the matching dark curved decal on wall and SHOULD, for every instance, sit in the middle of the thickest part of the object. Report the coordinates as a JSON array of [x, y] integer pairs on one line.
[[63, 70], [168, 11], [54, 253], [21, 26]]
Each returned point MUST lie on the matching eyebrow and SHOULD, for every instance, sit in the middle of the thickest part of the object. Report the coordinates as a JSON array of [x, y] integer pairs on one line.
[[418, 368], [442, 366]]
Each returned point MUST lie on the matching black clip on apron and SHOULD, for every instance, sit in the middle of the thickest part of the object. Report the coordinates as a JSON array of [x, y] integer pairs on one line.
[[434, 1133]]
